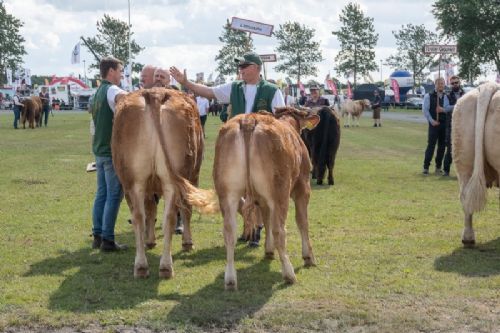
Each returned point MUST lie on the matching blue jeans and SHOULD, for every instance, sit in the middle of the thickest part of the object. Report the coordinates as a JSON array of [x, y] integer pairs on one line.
[[107, 199], [17, 115], [45, 114]]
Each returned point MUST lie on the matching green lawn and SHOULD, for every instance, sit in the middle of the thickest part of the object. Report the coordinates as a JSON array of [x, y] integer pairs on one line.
[[386, 240]]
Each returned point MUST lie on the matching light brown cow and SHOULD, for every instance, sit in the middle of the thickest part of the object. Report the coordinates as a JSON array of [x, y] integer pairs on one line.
[[157, 147], [32, 107], [476, 150], [264, 160], [353, 110]]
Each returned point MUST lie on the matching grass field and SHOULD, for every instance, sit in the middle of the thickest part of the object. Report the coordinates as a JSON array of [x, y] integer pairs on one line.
[[386, 240]]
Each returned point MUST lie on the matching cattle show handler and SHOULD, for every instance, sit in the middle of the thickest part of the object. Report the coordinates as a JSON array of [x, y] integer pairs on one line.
[[109, 192]]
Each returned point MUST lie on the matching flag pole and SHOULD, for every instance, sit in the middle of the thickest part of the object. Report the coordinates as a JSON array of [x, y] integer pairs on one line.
[[129, 83]]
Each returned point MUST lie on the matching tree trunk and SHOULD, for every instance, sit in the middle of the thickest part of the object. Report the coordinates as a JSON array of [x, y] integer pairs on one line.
[[355, 65]]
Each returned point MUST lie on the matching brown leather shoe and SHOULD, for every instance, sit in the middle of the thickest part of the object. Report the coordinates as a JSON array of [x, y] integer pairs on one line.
[[112, 246]]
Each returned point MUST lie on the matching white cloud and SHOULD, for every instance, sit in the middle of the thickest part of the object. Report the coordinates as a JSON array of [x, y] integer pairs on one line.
[[185, 32]]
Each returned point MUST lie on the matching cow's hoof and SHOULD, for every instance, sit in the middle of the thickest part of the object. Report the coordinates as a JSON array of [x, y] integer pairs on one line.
[[290, 279], [231, 285], [331, 182], [309, 262], [469, 244], [166, 273], [150, 246], [269, 255], [187, 247], [141, 272]]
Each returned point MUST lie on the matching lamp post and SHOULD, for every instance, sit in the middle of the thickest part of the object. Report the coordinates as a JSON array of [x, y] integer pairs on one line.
[[84, 72], [381, 79], [129, 79]]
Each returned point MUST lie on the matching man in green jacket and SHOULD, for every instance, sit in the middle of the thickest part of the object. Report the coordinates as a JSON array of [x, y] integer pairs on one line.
[[109, 190], [250, 94]]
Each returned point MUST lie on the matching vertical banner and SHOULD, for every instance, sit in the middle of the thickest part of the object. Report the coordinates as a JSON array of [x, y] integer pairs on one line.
[[27, 76], [349, 90], [75, 54], [9, 76], [301, 86], [395, 88], [332, 87]]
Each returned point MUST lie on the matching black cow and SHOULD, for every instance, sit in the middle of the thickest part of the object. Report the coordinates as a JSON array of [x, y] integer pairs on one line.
[[322, 143]]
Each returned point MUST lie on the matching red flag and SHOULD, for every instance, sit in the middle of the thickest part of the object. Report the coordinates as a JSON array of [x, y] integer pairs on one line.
[[332, 87], [301, 86], [349, 90], [395, 88]]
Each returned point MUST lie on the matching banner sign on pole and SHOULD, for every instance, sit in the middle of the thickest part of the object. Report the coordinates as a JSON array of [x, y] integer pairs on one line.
[[252, 26], [440, 49], [349, 90], [395, 88], [268, 57]]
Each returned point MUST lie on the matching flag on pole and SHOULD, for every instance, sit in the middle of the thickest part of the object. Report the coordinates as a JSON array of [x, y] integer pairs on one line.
[[27, 76], [332, 87], [301, 86], [349, 90], [395, 88], [75, 54], [9, 76]]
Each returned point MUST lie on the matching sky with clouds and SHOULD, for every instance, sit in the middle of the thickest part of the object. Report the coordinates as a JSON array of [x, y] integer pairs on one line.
[[185, 33]]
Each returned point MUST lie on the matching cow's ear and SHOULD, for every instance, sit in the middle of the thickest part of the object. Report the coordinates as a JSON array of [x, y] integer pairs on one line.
[[310, 121]]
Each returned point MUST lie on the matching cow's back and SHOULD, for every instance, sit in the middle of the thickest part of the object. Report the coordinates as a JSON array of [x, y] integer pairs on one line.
[[277, 156], [138, 154]]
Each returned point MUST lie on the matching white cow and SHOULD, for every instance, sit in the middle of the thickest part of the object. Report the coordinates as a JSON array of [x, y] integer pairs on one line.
[[354, 109], [476, 150]]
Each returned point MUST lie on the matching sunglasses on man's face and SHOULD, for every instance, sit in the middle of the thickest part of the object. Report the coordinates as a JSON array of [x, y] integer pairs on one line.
[[455, 83]]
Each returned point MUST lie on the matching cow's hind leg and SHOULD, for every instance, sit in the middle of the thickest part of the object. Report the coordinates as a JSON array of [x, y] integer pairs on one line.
[[300, 196], [468, 237], [269, 243], [330, 170], [169, 216], [229, 208], [278, 215], [150, 205], [136, 200], [187, 240]]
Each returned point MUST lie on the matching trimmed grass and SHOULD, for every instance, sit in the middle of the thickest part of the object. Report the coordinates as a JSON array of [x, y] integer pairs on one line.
[[386, 240]]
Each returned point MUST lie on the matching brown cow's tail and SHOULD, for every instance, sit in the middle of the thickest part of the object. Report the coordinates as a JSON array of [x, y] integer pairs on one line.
[[473, 195], [247, 126], [204, 200]]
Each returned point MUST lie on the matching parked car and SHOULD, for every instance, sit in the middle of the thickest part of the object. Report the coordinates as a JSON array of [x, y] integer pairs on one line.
[[6, 105], [414, 103]]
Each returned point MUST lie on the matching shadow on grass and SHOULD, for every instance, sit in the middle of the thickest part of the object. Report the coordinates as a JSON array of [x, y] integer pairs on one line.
[[480, 261], [212, 306], [92, 281]]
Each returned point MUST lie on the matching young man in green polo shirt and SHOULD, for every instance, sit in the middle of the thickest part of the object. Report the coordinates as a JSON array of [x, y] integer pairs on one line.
[[250, 94], [109, 190]]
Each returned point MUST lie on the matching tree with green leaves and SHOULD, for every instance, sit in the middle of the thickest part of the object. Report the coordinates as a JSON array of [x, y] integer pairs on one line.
[[357, 40], [236, 43], [410, 42], [475, 26], [11, 43], [297, 51], [112, 39]]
